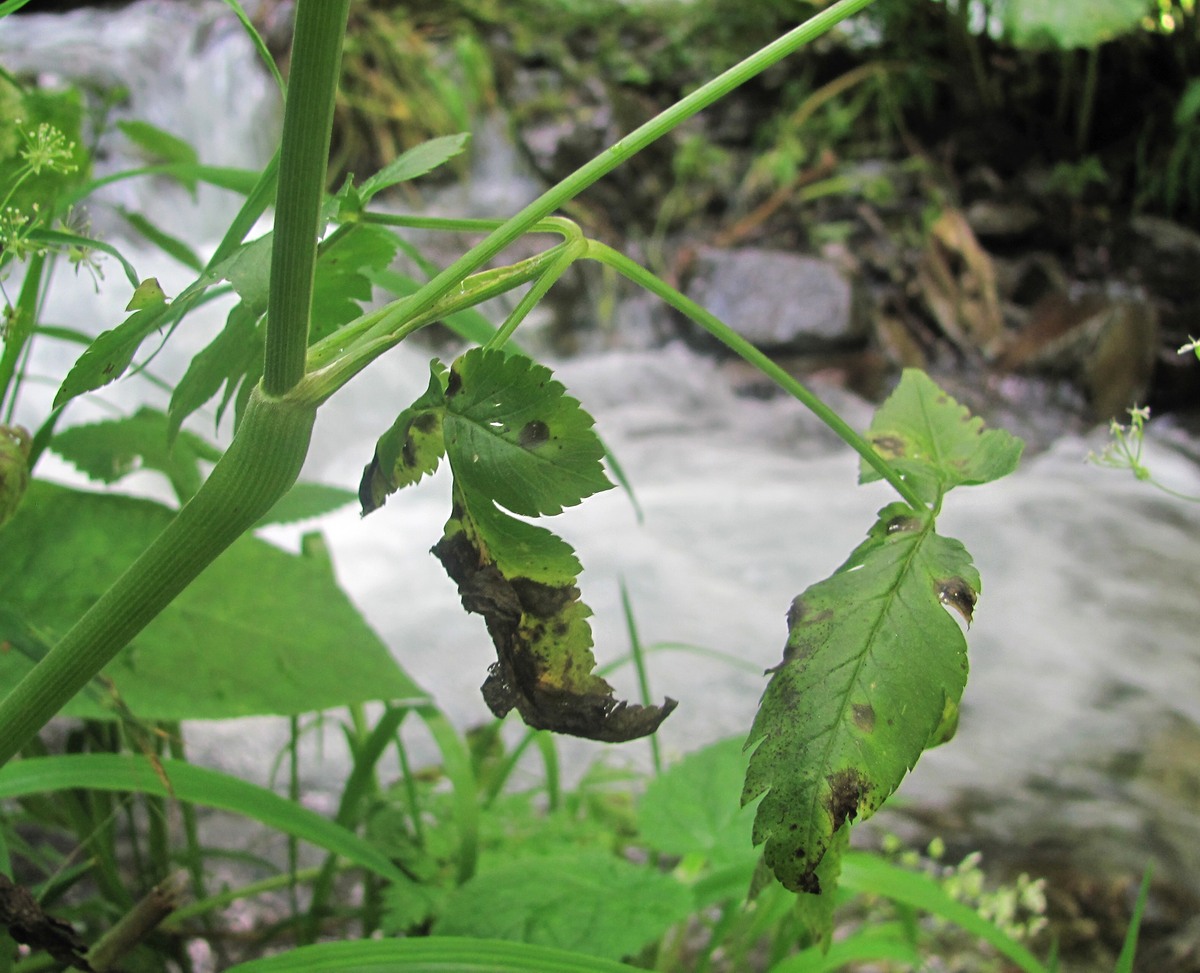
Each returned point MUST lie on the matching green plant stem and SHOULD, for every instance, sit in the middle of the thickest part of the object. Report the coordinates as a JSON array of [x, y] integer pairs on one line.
[[19, 331], [304, 154], [622, 150], [260, 466], [1087, 100], [731, 339]]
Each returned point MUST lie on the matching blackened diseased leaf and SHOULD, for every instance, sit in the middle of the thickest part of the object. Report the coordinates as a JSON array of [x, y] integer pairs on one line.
[[28, 924], [521, 579], [411, 449], [871, 676]]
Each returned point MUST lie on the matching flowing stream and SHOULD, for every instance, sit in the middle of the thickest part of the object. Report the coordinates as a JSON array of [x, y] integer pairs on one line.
[[1079, 728]]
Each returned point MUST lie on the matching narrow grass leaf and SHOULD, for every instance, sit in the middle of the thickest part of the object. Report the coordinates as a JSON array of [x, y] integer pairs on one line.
[[197, 785]]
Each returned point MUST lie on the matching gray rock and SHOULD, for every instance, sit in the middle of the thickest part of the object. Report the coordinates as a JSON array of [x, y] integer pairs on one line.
[[776, 300]]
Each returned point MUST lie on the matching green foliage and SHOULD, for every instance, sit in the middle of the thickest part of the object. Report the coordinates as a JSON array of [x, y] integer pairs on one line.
[[1070, 23], [193, 661], [873, 667]]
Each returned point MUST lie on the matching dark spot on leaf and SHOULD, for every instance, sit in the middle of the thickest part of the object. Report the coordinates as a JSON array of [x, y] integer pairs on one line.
[[453, 383], [426, 422], [959, 595], [888, 445], [408, 453], [902, 523], [864, 716], [533, 434], [848, 789]]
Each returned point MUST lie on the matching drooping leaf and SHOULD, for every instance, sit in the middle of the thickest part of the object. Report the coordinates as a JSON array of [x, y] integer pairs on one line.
[[513, 434], [107, 451], [587, 901], [261, 631], [411, 449], [539, 627], [341, 281], [1070, 23], [417, 161], [935, 443], [871, 661]]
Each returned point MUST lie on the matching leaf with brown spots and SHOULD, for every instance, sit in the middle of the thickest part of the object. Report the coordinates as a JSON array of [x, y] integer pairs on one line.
[[521, 579], [411, 449], [935, 443], [871, 676]]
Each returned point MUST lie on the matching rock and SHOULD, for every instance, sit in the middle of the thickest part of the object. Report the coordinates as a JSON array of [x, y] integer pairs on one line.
[[774, 299], [1105, 343]]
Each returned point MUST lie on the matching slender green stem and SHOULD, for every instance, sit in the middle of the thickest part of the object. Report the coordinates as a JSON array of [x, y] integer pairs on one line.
[[530, 299], [304, 155], [19, 330], [731, 339], [624, 149]]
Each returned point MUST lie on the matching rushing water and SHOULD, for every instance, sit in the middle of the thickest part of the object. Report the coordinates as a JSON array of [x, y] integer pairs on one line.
[[1079, 725]]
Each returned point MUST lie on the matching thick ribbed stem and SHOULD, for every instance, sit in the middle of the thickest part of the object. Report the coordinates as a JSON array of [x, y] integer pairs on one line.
[[303, 161], [259, 467]]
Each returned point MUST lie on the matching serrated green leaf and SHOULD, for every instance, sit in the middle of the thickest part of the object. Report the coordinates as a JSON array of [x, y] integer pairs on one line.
[[225, 360], [539, 628], [340, 283], [1055, 23], [935, 443], [692, 807], [871, 659], [588, 902], [108, 451], [513, 434], [417, 161], [410, 449], [248, 269], [259, 632]]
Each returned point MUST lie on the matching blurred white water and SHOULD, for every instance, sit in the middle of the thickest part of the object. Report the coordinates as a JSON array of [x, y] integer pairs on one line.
[[1079, 722]]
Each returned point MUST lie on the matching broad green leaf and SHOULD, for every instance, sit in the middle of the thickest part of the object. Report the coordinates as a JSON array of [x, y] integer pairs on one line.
[[197, 785], [261, 631], [341, 284], [1070, 23], [305, 501], [588, 902], [872, 665], [434, 954], [108, 451], [417, 161], [513, 434], [225, 361], [692, 808], [411, 449], [935, 443], [519, 577]]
